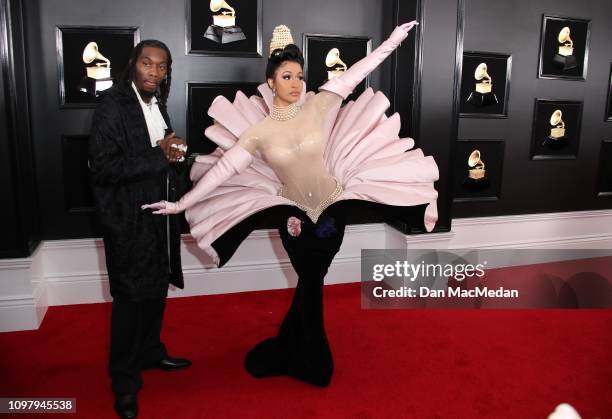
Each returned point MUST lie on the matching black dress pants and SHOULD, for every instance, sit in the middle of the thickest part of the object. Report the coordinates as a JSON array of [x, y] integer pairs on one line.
[[300, 349], [135, 342]]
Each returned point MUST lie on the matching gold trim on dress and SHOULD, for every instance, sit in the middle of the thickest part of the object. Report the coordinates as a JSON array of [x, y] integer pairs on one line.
[[315, 213]]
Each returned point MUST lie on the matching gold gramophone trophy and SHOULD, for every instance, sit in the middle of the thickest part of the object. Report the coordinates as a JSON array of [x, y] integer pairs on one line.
[[565, 58], [223, 29], [477, 166], [557, 136], [335, 66], [483, 95], [98, 76], [476, 179]]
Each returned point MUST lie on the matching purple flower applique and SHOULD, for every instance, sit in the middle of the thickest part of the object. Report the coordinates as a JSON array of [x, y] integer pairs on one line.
[[326, 227]]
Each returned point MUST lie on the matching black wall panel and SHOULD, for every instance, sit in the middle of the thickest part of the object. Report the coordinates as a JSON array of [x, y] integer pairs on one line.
[[421, 80], [19, 215], [425, 101], [164, 20], [11, 233], [531, 186]]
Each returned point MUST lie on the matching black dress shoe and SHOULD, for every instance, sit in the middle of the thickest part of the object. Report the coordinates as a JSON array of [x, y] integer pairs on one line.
[[172, 364], [126, 405]]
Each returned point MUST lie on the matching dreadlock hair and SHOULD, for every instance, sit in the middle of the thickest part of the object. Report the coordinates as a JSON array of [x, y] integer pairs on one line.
[[128, 74]]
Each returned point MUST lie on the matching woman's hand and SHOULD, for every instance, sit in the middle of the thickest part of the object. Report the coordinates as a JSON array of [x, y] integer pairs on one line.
[[163, 208], [345, 84], [401, 32], [408, 26]]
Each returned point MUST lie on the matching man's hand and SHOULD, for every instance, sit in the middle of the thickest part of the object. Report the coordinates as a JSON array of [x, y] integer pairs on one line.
[[174, 147]]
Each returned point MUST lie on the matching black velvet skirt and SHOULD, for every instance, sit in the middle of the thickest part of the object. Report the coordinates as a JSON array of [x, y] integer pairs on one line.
[[301, 349]]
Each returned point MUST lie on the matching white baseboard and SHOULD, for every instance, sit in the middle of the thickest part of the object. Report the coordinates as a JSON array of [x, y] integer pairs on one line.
[[19, 313], [73, 271], [565, 230], [23, 298]]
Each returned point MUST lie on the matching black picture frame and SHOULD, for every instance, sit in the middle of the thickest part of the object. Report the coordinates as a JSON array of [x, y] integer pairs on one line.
[[315, 48], [200, 96], [546, 147], [494, 104], [78, 196], [608, 115], [604, 177], [486, 188], [114, 42], [551, 65], [248, 20]]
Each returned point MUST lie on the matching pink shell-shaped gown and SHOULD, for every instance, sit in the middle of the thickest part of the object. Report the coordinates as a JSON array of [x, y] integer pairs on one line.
[[363, 152]]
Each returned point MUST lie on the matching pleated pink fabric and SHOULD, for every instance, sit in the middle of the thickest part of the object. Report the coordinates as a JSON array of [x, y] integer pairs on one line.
[[363, 151]]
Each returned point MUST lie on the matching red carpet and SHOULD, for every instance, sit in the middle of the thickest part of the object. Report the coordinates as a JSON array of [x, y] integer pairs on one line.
[[389, 363]]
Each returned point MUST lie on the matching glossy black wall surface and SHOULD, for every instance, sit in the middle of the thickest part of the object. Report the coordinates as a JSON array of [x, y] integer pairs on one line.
[[164, 20], [19, 215], [421, 81], [433, 112], [531, 186]]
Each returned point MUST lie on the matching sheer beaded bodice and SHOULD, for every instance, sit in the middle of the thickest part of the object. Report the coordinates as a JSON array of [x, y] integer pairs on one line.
[[294, 150]]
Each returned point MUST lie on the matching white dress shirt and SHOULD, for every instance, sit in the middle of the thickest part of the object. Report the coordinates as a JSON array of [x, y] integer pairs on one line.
[[153, 117]]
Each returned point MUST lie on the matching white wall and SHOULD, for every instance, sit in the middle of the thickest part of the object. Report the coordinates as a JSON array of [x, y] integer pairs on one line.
[[73, 271]]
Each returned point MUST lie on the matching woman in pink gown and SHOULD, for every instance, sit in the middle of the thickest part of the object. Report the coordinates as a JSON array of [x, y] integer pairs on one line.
[[303, 158]]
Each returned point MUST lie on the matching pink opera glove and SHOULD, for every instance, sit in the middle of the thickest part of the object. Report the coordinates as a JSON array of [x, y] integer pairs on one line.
[[234, 161], [164, 208], [346, 83]]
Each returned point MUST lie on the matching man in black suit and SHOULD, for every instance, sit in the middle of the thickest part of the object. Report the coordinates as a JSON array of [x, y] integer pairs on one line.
[[135, 158]]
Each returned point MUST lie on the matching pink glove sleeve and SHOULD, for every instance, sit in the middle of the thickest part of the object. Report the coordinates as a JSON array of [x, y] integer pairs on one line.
[[346, 83], [234, 161]]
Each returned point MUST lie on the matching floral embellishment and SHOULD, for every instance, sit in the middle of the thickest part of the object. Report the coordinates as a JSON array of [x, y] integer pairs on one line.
[[326, 227], [294, 226]]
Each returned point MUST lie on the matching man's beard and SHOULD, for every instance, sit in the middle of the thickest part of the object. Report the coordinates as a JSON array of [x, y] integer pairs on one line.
[[146, 94]]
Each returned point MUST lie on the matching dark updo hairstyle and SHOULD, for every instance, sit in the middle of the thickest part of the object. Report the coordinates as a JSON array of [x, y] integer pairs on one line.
[[291, 52]]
